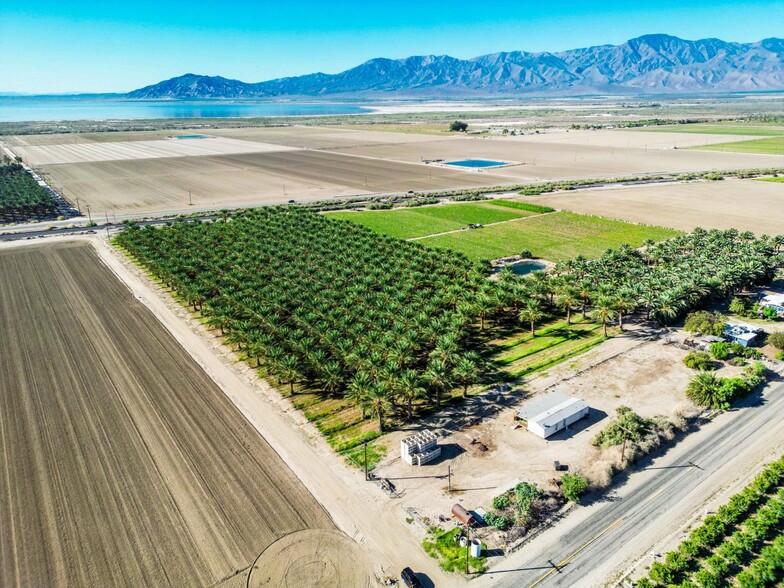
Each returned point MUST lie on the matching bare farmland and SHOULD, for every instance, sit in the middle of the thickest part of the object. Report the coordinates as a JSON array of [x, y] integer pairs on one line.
[[254, 166], [123, 463], [749, 205], [115, 151], [542, 158], [255, 178]]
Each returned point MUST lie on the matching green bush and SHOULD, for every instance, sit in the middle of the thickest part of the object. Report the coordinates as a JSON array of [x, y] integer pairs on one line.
[[699, 360], [636, 427], [573, 487], [707, 323], [501, 502], [777, 339], [720, 350], [500, 522], [661, 573]]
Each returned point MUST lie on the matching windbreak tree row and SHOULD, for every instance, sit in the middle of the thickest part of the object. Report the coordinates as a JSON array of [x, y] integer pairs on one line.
[[324, 302], [21, 197]]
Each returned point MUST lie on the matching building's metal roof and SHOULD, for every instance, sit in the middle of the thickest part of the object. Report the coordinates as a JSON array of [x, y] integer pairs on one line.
[[551, 409]]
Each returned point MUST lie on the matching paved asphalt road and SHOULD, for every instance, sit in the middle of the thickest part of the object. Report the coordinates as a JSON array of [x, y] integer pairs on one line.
[[614, 532]]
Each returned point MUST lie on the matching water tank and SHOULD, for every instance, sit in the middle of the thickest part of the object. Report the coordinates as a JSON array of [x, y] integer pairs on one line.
[[476, 548]]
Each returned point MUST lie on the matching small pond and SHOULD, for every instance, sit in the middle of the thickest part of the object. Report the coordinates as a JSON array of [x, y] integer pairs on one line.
[[475, 163]]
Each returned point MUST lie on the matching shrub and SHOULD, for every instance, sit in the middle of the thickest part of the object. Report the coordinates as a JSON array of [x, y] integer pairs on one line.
[[458, 126], [738, 306], [750, 353], [573, 487], [707, 579], [769, 313], [699, 360], [777, 339], [707, 323], [746, 580], [613, 434], [500, 522], [720, 350], [525, 495], [501, 502], [662, 573]]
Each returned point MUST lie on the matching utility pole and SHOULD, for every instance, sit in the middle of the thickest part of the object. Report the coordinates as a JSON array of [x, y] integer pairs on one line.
[[79, 210], [89, 218], [449, 478], [190, 199], [366, 468], [468, 545]]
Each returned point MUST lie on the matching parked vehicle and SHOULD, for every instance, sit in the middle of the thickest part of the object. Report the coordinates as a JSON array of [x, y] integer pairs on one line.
[[410, 579]]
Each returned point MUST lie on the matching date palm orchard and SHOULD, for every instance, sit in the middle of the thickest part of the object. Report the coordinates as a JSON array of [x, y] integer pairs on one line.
[[387, 322]]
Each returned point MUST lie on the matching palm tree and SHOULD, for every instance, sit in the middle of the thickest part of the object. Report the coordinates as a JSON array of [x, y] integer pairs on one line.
[[531, 313], [376, 403], [408, 388], [704, 390], [603, 312], [358, 388], [437, 377], [466, 371], [623, 303], [567, 299], [331, 378], [289, 370]]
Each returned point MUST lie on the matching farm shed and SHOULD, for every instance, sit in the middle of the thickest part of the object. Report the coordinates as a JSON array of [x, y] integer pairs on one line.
[[551, 414]]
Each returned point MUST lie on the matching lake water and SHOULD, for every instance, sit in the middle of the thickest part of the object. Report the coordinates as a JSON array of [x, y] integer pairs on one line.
[[48, 108]]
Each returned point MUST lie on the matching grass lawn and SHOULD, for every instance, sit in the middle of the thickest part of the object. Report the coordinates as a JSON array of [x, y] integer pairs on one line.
[[406, 223], [554, 342], [561, 235], [771, 145], [778, 179], [734, 128]]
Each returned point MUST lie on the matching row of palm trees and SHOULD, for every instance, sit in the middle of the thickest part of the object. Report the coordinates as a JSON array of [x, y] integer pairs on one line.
[[387, 323], [664, 280], [322, 302]]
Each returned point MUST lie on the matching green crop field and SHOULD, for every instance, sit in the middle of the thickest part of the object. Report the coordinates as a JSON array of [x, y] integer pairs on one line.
[[777, 179], [771, 145], [556, 236], [756, 129], [406, 223]]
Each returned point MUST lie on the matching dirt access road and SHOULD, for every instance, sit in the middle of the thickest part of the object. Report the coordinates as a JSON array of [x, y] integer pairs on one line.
[[122, 463]]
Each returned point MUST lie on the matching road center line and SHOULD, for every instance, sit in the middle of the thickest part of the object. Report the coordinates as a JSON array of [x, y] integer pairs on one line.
[[573, 555]]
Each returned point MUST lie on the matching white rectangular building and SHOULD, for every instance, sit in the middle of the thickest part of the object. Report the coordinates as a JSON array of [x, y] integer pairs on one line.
[[552, 413]]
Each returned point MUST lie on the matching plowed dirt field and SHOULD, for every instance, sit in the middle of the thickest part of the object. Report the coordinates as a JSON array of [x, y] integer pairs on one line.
[[121, 462]]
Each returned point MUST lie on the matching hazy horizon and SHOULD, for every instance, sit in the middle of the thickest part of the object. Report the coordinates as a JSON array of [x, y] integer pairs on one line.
[[90, 47]]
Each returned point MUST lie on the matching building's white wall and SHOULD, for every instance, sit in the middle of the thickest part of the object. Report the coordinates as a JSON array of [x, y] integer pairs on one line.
[[536, 429]]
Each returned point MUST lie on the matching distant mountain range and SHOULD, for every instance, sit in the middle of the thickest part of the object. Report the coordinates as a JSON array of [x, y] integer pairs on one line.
[[647, 64]]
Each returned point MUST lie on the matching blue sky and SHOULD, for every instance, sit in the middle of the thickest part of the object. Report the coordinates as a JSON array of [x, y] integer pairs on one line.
[[78, 45]]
